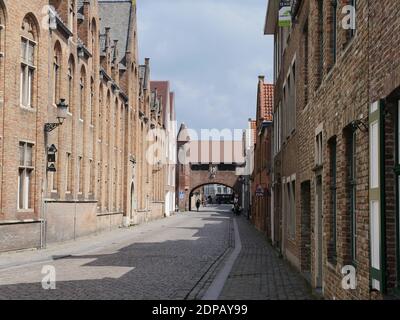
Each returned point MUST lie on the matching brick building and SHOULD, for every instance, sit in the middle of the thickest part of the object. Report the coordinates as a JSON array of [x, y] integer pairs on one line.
[[102, 179], [169, 133], [261, 183], [337, 97]]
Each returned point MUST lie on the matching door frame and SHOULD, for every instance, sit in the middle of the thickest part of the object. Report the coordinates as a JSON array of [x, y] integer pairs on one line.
[[319, 233]]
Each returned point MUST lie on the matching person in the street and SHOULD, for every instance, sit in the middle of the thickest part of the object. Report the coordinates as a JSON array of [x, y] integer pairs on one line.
[[198, 202]]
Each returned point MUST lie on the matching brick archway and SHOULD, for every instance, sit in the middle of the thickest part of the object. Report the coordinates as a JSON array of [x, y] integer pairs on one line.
[[197, 178]]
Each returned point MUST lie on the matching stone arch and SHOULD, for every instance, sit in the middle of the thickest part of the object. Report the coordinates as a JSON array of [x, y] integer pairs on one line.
[[30, 27], [207, 184]]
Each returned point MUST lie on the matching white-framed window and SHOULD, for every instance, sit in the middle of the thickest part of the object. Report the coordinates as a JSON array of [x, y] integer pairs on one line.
[[25, 171], [318, 150], [27, 71], [56, 76]]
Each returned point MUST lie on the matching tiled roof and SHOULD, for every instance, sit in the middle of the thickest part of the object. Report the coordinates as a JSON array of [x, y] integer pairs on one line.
[[116, 14], [266, 101]]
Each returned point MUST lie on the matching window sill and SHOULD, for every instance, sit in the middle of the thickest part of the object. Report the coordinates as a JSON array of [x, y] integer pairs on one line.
[[25, 210], [30, 109]]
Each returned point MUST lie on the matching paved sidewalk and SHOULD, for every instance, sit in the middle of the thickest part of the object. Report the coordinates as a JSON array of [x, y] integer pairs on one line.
[[259, 273], [164, 259]]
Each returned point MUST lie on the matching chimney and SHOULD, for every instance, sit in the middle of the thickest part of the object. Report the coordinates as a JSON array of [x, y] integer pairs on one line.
[[261, 78]]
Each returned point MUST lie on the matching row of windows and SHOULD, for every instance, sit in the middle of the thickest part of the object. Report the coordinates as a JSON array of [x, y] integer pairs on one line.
[[326, 43]]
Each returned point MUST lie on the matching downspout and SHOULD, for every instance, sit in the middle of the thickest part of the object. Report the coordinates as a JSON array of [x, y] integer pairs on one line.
[[45, 186]]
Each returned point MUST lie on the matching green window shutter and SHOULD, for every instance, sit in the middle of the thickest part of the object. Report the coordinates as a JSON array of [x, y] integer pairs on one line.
[[376, 196]]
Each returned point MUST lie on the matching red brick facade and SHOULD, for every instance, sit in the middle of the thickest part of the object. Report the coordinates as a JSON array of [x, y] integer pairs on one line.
[[261, 203], [339, 76], [103, 179]]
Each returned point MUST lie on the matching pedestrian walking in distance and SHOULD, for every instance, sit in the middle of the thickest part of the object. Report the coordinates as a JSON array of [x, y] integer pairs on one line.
[[198, 204]]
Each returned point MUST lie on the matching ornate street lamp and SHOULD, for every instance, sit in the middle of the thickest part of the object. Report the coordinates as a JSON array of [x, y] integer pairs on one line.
[[62, 110]]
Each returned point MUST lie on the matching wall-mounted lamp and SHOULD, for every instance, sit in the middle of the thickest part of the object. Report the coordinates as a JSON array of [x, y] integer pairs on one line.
[[360, 125], [62, 110]]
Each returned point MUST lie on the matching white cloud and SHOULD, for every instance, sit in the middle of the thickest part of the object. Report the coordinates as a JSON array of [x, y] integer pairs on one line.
[[212, 51]]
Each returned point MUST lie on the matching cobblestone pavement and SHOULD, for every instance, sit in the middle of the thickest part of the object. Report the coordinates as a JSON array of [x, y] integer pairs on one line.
[[259, 273], [175, 258], [165, 259]]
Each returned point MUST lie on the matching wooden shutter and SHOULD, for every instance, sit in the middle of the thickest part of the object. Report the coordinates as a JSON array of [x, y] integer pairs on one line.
[[376, 195]]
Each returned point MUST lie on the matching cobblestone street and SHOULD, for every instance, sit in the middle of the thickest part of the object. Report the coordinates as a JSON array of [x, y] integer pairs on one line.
[[175, 258]]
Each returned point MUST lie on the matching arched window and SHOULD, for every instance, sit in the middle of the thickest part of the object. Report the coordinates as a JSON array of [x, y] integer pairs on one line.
[[71, 16], [28, 62], [101, 101], [94, 38], [56, 73], [71, 68], [82, 93], [108, 104], [91, 104]]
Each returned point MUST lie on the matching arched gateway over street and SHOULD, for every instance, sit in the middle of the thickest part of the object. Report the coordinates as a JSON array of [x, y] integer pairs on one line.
[[202, 163]]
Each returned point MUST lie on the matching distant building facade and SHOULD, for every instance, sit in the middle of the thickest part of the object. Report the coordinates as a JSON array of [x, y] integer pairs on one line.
[[261, 213]]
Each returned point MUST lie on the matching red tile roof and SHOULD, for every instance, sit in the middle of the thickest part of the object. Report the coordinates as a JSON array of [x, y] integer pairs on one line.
[[266, 101]]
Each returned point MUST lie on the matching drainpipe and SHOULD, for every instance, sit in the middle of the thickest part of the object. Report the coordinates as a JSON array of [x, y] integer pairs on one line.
[[44, 185]]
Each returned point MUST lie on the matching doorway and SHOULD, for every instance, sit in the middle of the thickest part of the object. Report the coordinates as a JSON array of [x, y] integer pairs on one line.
[[132, 202], [306, 229], [318, 232]]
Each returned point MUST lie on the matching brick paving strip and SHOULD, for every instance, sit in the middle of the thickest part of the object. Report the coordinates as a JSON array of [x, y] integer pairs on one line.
[[215, 289], [260, 274]]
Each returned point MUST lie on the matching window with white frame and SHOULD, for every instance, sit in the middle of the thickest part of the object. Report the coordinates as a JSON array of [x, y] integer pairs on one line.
[[56, 75], [27, 71], [25, 171]]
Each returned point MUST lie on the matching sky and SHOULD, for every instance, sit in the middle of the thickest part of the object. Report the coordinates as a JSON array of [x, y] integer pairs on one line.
[[212, 52]]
